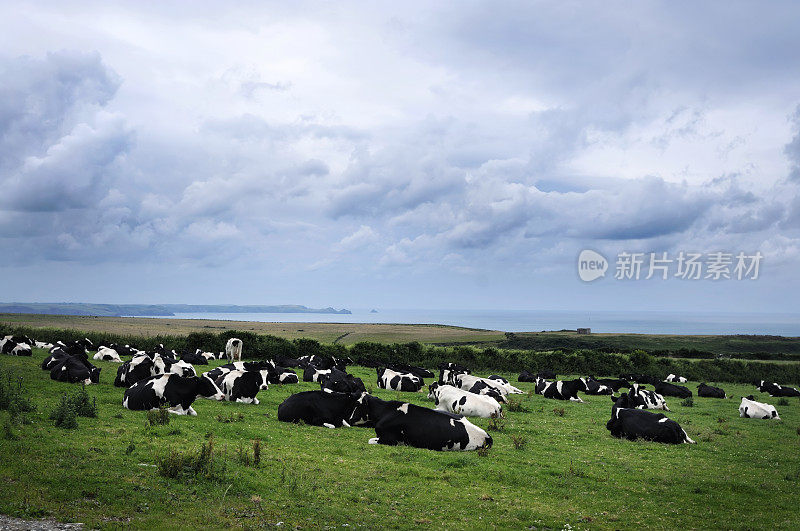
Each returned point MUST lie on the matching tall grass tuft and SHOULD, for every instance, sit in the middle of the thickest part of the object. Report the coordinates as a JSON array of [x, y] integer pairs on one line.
[[13, 398], [496, 423], [158, 417], [188, 464], [515, 405], [64, 414]]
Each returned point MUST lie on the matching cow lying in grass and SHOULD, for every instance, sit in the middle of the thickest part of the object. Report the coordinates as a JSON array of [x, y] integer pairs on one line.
[[668, 389], [242, 386], [403, 423], [709, 391], [642, 399], [325, 408], [751, 409], [398, 381], [635, 424], [170, 389], [454, 400], [776, 390], [16, 345], [560, 390], [341, 382]]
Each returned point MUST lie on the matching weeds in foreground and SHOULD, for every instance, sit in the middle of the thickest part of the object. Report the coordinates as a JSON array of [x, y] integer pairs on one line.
[[73, 406], [191, 464], [483, 451], [65, 415], [158, 417], [13, 398], [515, 405], [783, 402], [497, 422], [519, 442], [244, 457], [559, 412], [688, 402], [233, 417]]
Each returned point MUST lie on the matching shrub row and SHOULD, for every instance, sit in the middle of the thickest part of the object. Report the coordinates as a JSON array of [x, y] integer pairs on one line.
[[581, 361]]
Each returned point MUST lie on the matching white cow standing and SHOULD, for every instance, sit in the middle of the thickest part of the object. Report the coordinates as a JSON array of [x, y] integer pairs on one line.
[[233, 349]]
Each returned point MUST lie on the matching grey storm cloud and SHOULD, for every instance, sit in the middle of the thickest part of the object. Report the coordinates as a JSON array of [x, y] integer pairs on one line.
[[464, 133]]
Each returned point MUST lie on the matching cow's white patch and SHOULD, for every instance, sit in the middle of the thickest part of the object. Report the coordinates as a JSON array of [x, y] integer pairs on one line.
[[403, 409]]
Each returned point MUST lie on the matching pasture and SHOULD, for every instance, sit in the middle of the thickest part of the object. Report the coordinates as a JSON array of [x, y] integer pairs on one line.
[[341, 333], [552, 465]]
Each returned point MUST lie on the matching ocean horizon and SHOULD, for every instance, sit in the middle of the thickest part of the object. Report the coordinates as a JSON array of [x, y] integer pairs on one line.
[[642, 322]]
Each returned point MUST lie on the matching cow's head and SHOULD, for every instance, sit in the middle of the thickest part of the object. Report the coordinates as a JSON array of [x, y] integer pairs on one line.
[[360, 413], [432, 390], [264, 385], [206, 388], [94, 375]]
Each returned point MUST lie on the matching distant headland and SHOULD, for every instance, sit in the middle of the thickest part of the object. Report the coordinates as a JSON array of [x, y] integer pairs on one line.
[[152, 310]]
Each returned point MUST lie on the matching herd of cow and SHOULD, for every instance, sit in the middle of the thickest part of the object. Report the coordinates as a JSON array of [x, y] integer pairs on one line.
[[162, 377]]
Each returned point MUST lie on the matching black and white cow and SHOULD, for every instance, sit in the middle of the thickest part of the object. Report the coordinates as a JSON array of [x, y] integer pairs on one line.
[[709, 391], [261, 365], [454, 400], [614, 383], [635, 424], [675, 379], [776, 390], [448, 372], [107, 354], [285, 361], [403, 423], [16, 346], [591, 386], [196, 357], [481, 386], [325, 408], [324, 362], [134, 370], [311, 373], [419, 372], [74, 369], [668, 389], [558, 390], [170, 389], [526, 376], [751, 409], [233, 349], [398, 381], [341, 382], [242, 386], [282, 375], [638, 398]]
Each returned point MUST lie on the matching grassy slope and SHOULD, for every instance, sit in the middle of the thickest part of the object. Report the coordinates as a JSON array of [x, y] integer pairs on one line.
[[323, 332], [743, 473]]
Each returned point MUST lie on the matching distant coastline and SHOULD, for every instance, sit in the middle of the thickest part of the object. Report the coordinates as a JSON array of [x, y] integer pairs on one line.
[[153, 310]]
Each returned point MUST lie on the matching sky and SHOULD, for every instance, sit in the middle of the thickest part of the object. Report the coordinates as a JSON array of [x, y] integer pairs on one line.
[[398, 154]]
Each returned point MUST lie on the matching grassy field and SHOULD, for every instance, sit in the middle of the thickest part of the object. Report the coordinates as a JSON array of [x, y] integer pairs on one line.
[[343, 333], [741, 474]]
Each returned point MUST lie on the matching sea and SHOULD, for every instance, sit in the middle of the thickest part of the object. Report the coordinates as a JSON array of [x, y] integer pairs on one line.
[[641, 322]]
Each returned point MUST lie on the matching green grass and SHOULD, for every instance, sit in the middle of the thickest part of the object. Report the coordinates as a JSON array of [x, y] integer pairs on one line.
[[742, 474]]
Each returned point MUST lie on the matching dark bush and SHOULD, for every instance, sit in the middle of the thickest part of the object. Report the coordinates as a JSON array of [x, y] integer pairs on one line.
[[64, 414]]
